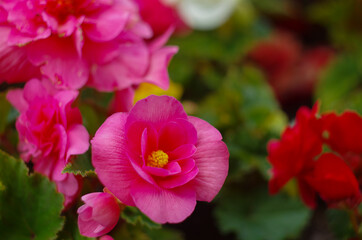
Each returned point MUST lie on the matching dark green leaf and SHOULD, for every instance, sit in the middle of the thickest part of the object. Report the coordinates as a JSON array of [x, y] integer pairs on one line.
[[5, 108], [30, 206], [70, 230], [258, 216]]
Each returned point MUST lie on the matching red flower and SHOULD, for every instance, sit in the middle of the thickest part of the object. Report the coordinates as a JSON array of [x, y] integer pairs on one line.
[[291, 71], [330, 175], [294, 153], [334, 180]]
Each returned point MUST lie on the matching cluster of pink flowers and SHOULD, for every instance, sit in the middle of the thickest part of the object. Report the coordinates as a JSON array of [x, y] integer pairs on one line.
[[50, 132], [102, 44], [155, 157], [333, 175]]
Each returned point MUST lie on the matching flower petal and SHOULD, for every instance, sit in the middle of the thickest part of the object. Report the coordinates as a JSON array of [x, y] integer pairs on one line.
[[78, 140], [212, 160], [161, 205], [156, 110], [110, 160]]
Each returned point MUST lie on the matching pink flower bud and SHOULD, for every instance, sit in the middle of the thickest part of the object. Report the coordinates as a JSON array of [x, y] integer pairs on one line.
[[98, 215]]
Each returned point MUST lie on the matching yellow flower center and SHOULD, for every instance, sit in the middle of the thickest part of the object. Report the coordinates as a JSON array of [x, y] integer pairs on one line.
[[157, 159]]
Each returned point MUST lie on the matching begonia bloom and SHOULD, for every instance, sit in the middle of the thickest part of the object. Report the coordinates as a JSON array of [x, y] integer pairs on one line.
[[294, 153], [50, 132], [159, 159], [73, 42], [291, 72], [98, 215], [333, 176], [161, 16], [334, 180]]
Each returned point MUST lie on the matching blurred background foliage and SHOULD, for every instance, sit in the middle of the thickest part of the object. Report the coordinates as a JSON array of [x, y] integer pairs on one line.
[[219, 77]]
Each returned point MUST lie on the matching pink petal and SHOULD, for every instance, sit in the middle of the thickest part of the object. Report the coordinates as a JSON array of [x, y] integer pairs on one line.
[[148, 144], [212, 160], [182, 152], [105, 25], [123, 100], [106, 218], [161, 205], [85, 212], [111, 76], [143, 174], [78, 140], [171, 168], [134, 137], [60, 62], [187, 164], [178, 180], [156, 110], [176, 133], [161, 40], [65, 97], [135, 56], [106, 237], [110, 160], [205, 131], [3, 15], [157, 73], [34, 90], [16, 98]]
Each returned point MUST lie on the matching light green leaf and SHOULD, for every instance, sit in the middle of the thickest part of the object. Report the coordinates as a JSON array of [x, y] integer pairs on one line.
[[80, 165], [30, 206]]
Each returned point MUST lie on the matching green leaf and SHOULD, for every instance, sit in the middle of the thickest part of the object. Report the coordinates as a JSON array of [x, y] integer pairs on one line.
[[81, 165], [30, 206], [246, 111], [134, 216], [258, 216], [340, 88], [5, 108], [164, 234], [71, 230]]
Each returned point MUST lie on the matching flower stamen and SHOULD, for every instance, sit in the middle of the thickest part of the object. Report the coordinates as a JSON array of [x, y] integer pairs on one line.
[[157, 159]]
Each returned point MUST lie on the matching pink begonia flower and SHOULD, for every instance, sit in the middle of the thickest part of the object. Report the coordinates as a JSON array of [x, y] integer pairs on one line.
[[14, 64], [50, 132], [161, 16], [106, 237], [98, 215], [159, 159], [73, 42]]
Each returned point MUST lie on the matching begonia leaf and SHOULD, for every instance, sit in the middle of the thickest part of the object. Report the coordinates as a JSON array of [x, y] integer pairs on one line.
[[339, 88], [247, 123], [70, 230], [258, 216], [5, 108], [30, 206], [80, 165], [133, 216]]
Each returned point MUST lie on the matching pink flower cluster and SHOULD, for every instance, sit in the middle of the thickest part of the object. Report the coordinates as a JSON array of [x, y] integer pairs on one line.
[[50, 132], [74, 43], [158, 159], [334, 175], [155, 157]]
